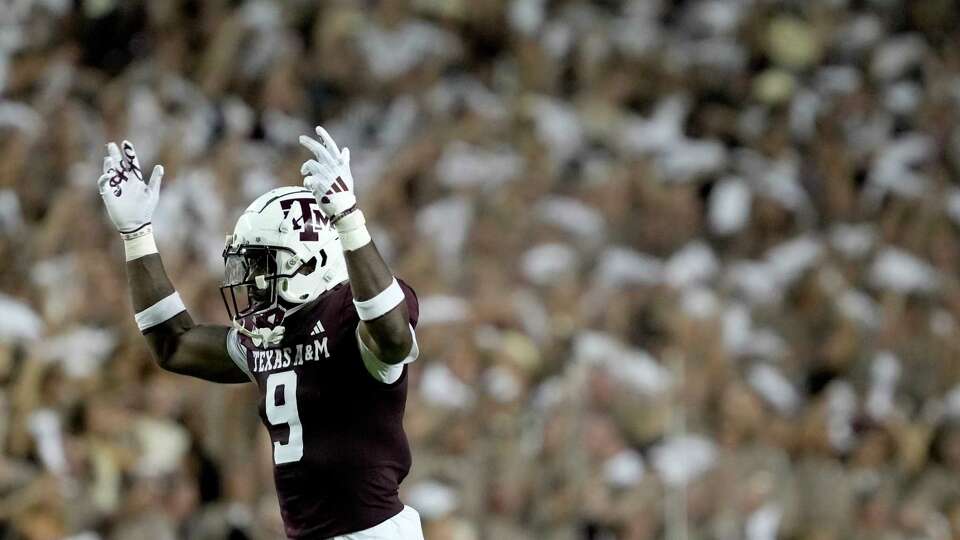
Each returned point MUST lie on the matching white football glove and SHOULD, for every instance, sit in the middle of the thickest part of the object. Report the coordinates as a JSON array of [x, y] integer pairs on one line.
[[328, 176], [130, 200]]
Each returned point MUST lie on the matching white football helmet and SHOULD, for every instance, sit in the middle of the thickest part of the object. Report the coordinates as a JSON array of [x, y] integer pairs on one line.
[[282, 254]]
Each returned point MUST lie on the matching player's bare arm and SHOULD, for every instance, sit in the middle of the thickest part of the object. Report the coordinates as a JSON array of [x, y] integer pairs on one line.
[[384, 327], [388, 336], [177, 343]]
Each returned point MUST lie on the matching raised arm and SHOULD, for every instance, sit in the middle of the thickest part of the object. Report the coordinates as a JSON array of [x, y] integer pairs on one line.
[[385, 329], [177, 343]]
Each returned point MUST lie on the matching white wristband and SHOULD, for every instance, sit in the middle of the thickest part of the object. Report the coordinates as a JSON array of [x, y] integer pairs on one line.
[[352, 229], [139, 243], [160, 312], [383, 302]]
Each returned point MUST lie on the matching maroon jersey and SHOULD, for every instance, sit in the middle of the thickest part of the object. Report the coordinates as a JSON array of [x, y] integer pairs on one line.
[[339, 448]]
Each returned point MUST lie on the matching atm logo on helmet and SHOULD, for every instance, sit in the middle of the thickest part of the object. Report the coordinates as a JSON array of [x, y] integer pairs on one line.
[[310, 219]]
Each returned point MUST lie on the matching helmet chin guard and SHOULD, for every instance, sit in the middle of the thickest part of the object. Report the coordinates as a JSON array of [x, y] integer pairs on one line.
[[282, 254]]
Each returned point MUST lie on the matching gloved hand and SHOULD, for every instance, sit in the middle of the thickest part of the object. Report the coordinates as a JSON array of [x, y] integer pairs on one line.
[[130, 201], [328, 175]]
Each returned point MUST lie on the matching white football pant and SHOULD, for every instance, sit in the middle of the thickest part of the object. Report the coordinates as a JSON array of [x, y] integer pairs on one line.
[[403, 526]]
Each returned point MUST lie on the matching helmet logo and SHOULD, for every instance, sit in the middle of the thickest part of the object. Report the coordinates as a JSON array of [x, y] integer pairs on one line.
[[310, 218]]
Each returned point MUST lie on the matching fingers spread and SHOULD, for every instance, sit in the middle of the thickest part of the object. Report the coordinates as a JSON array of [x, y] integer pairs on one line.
[[310, 167], [327, 140], [114, 151], [156, 177], [316, 148], [315, 168], [131, 163], [102, 183], [129, 152]]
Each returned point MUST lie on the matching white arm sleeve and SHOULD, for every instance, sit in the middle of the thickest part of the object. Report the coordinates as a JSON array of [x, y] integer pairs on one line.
[[382, 371], [238, 352]]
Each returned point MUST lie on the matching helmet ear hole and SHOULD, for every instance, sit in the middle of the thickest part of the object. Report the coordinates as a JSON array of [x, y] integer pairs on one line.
[[308, 267], [283, 285]]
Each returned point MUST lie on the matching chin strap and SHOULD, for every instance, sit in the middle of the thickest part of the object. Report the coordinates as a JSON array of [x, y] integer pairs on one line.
[[262, 337]]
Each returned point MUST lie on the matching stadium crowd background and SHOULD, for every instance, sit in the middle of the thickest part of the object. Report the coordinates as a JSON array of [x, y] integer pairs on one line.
[[686, 269]]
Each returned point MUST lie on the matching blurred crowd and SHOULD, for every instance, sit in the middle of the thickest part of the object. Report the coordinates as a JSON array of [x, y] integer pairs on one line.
[[687, 269]]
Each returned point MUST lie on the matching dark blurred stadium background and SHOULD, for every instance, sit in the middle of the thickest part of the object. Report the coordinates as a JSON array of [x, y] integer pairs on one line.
[[696, 274]]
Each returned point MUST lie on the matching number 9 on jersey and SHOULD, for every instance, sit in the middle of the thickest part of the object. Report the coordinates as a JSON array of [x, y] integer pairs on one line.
[[285, 412]]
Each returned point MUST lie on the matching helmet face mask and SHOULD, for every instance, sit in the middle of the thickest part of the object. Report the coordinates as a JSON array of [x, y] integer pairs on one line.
[[251, 280]]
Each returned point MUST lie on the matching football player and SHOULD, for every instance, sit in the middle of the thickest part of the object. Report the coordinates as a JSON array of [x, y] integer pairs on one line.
[[319, 324]]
